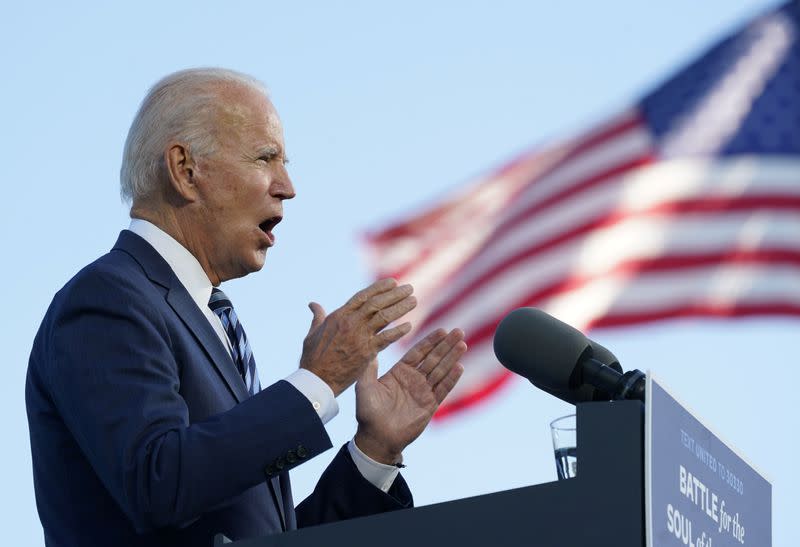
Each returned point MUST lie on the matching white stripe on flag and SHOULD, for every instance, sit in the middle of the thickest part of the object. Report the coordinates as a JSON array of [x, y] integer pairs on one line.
[[710, 291], [484, 281], [601, 233], [457, 241], [606, 250]]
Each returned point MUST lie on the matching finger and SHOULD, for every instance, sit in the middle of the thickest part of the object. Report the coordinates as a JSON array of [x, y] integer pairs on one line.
[[386, 299], [318, 315], [388, 337], [421, 349], [448, 383], [442, 369], [438, 353], [392, 313], [380, 286]]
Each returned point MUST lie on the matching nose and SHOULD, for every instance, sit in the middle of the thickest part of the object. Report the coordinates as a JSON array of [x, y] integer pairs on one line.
[[282, 187]]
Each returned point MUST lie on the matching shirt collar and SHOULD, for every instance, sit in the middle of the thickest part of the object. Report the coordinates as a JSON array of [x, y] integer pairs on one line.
[[183, 263]]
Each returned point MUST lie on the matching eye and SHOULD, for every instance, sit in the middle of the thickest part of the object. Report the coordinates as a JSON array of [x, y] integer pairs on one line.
[[266, 158]]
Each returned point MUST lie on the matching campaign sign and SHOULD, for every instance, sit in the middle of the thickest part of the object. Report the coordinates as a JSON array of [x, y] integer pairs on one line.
[[698, 491]]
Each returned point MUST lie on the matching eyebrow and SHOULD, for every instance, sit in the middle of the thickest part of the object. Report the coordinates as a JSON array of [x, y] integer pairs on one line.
[[272, 150]]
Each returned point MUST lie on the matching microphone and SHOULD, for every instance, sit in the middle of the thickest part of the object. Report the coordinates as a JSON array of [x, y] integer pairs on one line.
[[587, 392], [561, 360]]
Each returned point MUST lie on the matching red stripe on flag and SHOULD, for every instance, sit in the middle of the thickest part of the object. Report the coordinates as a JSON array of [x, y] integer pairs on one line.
[[491, 386], [700, 205], [664, 263], [617, 129], [507, 224], [706, 310], [567, 193], [412, 227], [584, 145], [488, 388]]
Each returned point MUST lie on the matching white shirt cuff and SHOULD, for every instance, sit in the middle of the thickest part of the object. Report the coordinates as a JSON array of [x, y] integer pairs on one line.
[[318, 393], [379, 474]]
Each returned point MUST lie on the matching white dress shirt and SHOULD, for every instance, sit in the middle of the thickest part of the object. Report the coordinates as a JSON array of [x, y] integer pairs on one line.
[[194, 279]]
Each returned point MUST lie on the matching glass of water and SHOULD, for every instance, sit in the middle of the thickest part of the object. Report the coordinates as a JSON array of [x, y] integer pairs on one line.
[[565, 443]]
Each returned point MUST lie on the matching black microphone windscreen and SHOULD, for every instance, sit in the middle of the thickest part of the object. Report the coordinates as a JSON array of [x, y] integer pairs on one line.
[[604, 355], [584, 393], [539, 347]]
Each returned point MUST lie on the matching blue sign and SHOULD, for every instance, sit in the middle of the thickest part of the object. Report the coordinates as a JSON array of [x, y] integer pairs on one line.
[[699, 492]]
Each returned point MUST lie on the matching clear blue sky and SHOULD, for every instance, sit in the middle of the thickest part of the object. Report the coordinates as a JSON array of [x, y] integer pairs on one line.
[[385, 107]]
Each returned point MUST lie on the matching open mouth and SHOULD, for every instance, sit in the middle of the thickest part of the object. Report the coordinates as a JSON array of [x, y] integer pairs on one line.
[[268, 225]]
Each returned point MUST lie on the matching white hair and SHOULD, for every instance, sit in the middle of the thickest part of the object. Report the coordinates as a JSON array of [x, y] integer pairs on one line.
[[180, 107]]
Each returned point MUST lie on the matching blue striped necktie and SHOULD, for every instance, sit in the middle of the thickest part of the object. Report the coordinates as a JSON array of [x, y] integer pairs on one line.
[[240, 347]]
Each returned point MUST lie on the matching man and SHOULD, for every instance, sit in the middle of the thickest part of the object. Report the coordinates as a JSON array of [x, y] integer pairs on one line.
[[148, 422]]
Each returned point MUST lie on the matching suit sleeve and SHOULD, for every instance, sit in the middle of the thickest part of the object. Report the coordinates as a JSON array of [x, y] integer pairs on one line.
[[342, 493], [115, 380]]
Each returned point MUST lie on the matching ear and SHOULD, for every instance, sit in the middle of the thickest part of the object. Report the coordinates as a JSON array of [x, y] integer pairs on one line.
[[181, 171]]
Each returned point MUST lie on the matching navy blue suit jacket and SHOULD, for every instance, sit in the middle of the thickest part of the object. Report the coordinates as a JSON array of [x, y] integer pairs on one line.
[[142, 430]]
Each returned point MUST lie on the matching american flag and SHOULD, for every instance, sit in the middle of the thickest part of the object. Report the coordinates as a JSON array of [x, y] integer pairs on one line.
[[685, 205]]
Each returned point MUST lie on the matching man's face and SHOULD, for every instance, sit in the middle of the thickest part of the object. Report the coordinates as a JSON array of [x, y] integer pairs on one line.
[[242, 186]]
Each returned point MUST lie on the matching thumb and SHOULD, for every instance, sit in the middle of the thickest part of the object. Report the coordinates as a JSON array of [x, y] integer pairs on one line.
[[370, 373], [318, 317]]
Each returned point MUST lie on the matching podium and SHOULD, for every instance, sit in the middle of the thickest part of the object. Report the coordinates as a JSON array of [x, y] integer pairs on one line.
[[603, 505]]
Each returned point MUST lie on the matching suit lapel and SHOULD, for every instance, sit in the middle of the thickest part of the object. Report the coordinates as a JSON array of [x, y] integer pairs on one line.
[[181, 302], [193, 318]]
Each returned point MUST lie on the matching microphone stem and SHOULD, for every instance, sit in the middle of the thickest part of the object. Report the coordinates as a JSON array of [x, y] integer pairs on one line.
[[600, 375], [620, 386]]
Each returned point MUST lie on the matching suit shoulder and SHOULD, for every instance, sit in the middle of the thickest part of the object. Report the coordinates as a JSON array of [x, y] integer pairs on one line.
[[112, 287], [114, 270], [114, 283]]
